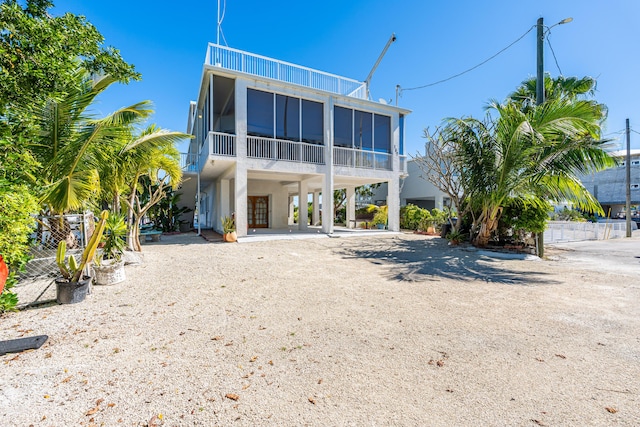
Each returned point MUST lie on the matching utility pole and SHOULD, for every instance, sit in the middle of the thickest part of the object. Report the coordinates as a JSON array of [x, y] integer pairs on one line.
[[540, 90], [628, 181], [540, 62], [540, 101]]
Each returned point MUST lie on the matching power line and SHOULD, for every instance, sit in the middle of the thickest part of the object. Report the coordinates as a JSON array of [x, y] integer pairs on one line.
[[618, 132], [553, 53], [472, 68]]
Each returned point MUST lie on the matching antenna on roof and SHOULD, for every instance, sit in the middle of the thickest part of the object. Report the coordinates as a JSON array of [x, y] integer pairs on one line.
[[219, 23], [367, 81]]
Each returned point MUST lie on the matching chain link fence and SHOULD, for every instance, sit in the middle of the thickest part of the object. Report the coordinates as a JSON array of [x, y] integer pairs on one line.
[[41, 269]]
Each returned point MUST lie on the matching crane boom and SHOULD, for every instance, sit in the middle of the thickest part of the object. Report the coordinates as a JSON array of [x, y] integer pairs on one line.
[[367, 81]]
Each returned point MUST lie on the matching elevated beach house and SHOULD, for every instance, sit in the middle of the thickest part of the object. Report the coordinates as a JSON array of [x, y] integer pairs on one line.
[[267, 133]]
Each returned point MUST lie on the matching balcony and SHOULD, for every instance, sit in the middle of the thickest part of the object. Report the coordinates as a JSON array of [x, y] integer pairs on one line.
[[361, 159], [291, 151], [189, 162], [222, 144], [261, 66]]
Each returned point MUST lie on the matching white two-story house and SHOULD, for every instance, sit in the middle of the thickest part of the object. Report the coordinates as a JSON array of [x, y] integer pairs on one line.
[[267, 132]]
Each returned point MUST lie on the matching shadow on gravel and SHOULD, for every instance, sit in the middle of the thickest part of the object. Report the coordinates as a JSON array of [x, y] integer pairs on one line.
[[190, 238], [431, 259]]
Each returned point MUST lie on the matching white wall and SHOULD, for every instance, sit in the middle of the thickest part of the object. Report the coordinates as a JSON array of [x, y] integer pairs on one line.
[[413, 188]]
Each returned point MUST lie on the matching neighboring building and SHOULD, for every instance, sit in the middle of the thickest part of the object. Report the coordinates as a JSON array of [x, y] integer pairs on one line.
[[610, 188], [267, 131], [414, 190]]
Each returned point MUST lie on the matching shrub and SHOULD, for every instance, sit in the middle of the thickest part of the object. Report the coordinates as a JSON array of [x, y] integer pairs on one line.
[[16, 223], [439, 217], [568, 215], [520, 217], [413, 217]]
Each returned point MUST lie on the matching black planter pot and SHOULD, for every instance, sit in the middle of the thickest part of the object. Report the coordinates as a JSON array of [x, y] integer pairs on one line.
[[72, 292]]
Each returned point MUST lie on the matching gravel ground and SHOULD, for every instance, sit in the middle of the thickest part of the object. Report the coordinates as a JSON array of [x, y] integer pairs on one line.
[[374, 331]]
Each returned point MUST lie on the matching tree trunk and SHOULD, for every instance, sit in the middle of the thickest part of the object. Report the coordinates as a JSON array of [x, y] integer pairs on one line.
[[133, 224], [488, 225], [61, 230]]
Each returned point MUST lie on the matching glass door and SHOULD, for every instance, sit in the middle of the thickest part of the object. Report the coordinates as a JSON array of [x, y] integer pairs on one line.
[[258, 211]]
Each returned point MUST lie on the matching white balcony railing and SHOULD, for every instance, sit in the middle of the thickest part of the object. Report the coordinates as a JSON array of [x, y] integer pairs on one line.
[[222, 144], [361, 159], [218, 144], [262, 66], [278, 149], [189, 162]]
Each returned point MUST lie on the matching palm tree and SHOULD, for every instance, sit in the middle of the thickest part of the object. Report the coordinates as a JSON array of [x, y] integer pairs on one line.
[[573, 88], [72, 145], [149, 158], [528, 153]]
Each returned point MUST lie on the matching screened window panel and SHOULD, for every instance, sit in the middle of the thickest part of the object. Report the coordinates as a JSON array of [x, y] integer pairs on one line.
[[363, 130], [287, 118], [382, 136], [312, 122], [259, 113], [342, 127]]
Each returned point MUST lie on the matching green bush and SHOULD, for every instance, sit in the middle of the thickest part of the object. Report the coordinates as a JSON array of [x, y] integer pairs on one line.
[[520, 217], [16, 223], [439, 217], [568, 215], [413, 217]]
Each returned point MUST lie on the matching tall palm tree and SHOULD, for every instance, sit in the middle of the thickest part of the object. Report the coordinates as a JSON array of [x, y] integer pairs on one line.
[[534, 152], [73, 144], [573, 88], [148, 158]]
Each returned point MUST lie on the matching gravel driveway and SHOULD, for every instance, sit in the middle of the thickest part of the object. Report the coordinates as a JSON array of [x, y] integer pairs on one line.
[[366, 331]]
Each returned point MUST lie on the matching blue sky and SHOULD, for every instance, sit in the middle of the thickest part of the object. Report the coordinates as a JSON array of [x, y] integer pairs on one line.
[[167, 41]]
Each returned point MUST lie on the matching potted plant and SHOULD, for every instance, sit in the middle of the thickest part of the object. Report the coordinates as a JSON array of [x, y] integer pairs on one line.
[[380, 215], [109, 266], [73, 286], [455, 237], [229, 229]]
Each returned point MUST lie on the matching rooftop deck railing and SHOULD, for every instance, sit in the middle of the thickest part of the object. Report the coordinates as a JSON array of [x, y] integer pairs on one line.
[[262, 66]]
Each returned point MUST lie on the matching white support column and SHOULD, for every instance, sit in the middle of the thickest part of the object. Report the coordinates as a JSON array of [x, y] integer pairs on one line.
[[241, 199], [439, 202], [211, 115], [393, 204], [315, 215], [225, 201], [241, 182], [393, 185], [303, 213], [327, 181], [291, 211], [351, 207]]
